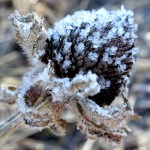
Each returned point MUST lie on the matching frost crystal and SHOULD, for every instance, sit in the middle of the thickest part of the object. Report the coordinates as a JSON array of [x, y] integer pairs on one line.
[[93, 56], [80, 48], [66, 64], [112, 50], [67, 46], [59, 57]]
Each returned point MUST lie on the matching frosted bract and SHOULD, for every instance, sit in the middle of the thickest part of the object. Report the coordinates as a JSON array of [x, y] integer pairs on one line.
[[30, 33]]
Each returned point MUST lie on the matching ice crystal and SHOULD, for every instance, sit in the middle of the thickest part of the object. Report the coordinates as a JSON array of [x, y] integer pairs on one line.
[[93, 56], [80, 47]]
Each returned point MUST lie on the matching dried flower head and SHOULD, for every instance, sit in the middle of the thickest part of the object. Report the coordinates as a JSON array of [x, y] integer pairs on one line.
[[81, 65], [98, 41]]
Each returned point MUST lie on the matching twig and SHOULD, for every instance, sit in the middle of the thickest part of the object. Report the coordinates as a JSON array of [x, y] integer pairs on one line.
[[10, 124], [21, 134]]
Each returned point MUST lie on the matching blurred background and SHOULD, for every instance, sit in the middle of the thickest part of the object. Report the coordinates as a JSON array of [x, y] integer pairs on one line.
[[13, 64]]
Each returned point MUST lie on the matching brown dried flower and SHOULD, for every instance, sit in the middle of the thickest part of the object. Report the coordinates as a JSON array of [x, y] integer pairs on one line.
[[105, 47], [82, 65]]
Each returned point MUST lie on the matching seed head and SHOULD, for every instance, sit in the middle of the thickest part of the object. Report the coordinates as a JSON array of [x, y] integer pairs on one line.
[[99, 41]]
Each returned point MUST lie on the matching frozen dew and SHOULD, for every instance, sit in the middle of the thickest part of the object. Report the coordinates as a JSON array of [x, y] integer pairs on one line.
[[66, 48], [80, 47], [66, 64], [114, 30], [84, 32], [56, 37], [108, 83], [87, 84], [127, 35], [112, 50], [105, 56], [95, 39], [104, 83], [135, 51], [49, 33], [93, 56], [121, 31], [117, 62], [122, 67], [131, 20], [59, 57]]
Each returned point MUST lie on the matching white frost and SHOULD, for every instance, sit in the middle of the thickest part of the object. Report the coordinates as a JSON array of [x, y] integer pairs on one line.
[[59, 57], [85, 21], [112, 50], [105, 57], [66, 64], [67, 46], [93, 56], [80, 48]]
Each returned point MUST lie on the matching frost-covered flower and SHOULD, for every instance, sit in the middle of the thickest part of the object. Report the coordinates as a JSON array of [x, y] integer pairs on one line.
[[84, 62], [99, 41]]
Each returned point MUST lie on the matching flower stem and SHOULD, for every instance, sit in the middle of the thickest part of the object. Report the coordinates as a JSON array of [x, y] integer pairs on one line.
[[10, 124]]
